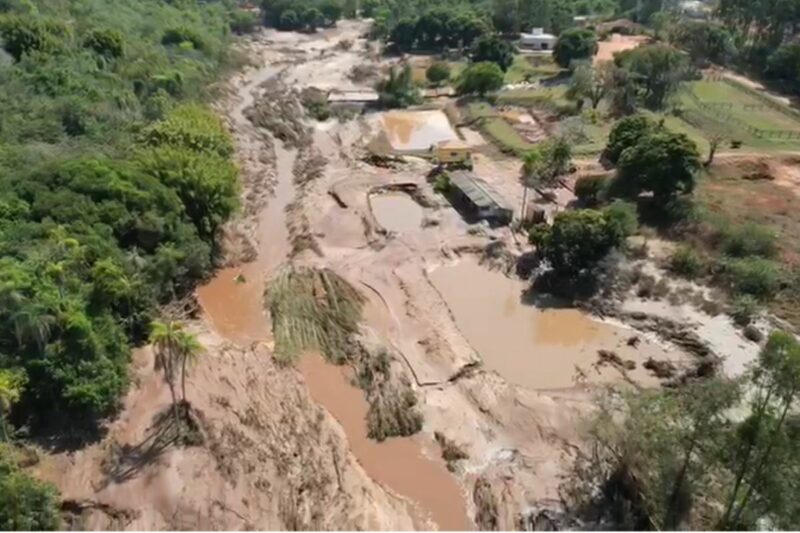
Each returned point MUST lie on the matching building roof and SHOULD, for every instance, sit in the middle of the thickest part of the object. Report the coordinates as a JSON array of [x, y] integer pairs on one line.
[[478, 191], [355, 95]]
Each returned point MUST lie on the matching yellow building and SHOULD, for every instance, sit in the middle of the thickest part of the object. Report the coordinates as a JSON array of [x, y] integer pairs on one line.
[[452, 152]]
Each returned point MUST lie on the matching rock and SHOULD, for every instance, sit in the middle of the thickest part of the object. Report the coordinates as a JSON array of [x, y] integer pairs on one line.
[[752, 333], [634, 341], [638, 315]]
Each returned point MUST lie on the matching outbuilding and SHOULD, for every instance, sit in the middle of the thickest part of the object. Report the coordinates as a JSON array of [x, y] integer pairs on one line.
[[453, 151], [537, 39], [478, 198]]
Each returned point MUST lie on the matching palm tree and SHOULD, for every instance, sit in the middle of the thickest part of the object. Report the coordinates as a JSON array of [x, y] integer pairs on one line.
[[174, 346], [10, 389], [165, 338], [190, 350]]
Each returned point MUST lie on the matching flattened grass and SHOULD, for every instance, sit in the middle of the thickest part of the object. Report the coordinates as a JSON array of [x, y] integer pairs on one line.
[[312, 310]]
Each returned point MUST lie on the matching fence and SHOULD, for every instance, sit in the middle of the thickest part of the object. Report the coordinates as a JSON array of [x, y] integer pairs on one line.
[[721, 111]]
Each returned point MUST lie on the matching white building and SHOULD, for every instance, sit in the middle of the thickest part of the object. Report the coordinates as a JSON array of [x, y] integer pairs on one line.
[[537, 39]]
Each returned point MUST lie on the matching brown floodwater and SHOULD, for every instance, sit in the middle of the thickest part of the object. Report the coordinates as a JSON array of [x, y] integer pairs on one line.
[[233, 300], [538, 348], [233, 303], [413, 131], [396, 463], [396, 211]]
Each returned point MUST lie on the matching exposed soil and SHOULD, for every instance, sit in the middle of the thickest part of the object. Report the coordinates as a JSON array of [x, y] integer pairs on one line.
[[617, 43]]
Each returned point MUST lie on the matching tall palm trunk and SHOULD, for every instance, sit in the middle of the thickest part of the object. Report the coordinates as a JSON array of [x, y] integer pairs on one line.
[[169, 369], [183, 376], [3, 427]]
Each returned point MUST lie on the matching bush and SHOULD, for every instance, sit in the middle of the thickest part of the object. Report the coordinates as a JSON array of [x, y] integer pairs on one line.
[[442, 184], [108, 43], [749, 240], [590, 189], [686, 262], [743, 309], [621, 217], [754, 276], [28, 504], [183, 34], [242, 22], [438, 72]]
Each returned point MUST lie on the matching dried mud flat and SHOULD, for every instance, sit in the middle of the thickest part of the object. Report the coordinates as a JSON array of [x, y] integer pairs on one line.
[[286, 448]]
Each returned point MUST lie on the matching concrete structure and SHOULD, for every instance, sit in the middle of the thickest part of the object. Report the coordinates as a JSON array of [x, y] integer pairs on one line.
[[354, 96], [479, 199], [416, 132], [454, 151], [537, 39]]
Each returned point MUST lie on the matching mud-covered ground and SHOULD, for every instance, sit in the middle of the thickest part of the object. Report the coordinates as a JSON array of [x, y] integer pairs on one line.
[[286, 447]]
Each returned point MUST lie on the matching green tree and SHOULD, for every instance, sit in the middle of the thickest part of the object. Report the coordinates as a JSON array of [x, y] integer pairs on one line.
[[574, 44], [494, 49], [480, 78], [28, 504], [404, 35], [438, 72], [243, 22], [289, 20], [11, 384], [706, 42], [399, 89], [331, 10], [657, 69], [22, 35], [662, 162], [625, 134], [106, 42], [577, 240], [784, 64], [311, 18]]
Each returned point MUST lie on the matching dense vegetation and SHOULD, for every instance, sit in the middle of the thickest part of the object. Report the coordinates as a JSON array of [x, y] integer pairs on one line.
[[113, 187]]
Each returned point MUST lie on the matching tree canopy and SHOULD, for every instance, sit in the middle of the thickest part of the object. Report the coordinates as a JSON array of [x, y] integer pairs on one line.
[[574, 44], [480, 78]]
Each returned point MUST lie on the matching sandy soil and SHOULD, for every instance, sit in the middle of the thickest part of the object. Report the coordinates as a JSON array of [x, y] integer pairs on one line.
[[287, 448], [617, 43]]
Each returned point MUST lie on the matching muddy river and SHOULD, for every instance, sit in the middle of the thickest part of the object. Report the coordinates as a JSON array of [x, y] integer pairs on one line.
[[233, 303], [396, 211], [410, 466], [535, 347]]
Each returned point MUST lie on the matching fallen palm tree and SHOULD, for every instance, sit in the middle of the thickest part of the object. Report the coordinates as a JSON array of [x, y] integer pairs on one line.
[[312, 310]]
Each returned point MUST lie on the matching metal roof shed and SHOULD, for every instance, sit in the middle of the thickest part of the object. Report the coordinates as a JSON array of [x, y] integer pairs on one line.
[[480, 198]]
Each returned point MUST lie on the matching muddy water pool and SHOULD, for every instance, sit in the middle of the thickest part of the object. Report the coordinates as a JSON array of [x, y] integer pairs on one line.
[[535, 347], [412, 131], [409, 466], [396, 211]]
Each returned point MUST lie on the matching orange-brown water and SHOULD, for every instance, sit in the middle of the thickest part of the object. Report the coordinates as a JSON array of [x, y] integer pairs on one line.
[[417, 130], [233, 303], [397, 463], [539, 348]]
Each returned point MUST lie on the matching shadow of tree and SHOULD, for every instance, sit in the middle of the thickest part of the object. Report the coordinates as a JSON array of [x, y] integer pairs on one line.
[[128, 460]]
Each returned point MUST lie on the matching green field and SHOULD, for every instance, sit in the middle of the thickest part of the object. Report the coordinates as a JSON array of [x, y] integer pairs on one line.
[[531, 68], [736, 113]]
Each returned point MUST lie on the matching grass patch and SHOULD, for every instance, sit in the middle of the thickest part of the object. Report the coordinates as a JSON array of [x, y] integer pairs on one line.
[[726, 109], [528, 68], [497, 128], [312, 310]]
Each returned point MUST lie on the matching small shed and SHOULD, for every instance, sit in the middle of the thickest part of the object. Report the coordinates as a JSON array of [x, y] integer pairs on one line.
[[537, 39], [454, 151], [479, 198]]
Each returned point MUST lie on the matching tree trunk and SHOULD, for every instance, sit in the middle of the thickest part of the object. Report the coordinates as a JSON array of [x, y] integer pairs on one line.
[[724, 524], [763, 461], [524, 203], [3, 427], [712, 150], [672, 519], [170, 375], [183, 376]]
